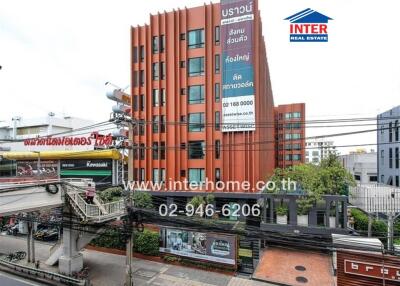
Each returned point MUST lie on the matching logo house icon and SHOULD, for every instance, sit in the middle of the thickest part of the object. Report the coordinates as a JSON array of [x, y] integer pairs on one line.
[[308, 26]]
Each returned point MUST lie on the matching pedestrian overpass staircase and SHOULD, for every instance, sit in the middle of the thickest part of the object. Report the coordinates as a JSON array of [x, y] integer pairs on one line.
[[98, 212]]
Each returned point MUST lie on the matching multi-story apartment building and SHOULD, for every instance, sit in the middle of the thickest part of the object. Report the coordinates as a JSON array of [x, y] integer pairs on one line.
[[290, 134], [186, 70], [388, 125], [319, 149]]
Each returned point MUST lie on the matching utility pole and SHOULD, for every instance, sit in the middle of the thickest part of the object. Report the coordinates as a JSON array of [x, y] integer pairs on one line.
[[129, 244]]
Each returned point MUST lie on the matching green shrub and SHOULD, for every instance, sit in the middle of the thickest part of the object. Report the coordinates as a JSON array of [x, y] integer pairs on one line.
[[147, 242], [143, 200], [111, 194], [379, 227], [170, 258], [281, 210], [111, 238]]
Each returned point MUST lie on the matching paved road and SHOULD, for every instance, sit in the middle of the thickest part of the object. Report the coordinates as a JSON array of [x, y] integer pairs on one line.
[[27, 200], [11, 280], [109, 269]]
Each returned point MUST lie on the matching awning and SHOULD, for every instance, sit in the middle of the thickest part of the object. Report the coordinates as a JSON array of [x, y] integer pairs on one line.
[[62, 155]]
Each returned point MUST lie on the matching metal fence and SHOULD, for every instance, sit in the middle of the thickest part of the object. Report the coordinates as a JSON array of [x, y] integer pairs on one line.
[[375, 198]]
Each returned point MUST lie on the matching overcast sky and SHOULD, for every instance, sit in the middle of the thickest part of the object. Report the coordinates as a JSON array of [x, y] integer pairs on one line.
[[57, 55]]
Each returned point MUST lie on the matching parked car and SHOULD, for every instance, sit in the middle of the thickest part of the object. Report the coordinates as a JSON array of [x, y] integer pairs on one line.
[[47, 234]]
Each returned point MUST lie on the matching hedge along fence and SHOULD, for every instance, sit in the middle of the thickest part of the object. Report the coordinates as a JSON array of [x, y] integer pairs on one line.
[[146, 242], [379, 227]]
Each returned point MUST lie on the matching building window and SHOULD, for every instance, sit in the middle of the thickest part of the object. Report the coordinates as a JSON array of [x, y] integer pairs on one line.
[[162, 43], [141, 53], [142, 151], [163, 97], [396, 130], [196, 122], [196, 39], [217, 175], [196, 94], [141, 77], [183, 173], [155, 45], [196, 175], [141, 102], [196, 149], [217, 149], [183, 146], [217, 121], [162, 70], [183, 36], [162, 123], [383, 179], [155, 150], [135, 78], [135, 151], [390, 158], [135, 103], [162, 150], [292, 136], [291, 115], [141, 126], [217, 94], [155, 72], [162, 175], [142, 175], [397, 159], [156, 176], [217, 64], [155, 97], [296, 146], [390, 132], [196, 66], [397, 181], [296, 157], [183, 91], [217, 35], [373, 178], [135, 54], [182, 64], [155, 124], [183, 118]]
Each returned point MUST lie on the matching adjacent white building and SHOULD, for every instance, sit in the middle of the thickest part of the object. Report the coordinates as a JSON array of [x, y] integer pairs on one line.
[[362, 166], [388, 138], [20, 128], [318, 149]]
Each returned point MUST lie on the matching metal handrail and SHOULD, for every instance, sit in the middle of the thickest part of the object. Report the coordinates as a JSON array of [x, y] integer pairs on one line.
[[94, 212]]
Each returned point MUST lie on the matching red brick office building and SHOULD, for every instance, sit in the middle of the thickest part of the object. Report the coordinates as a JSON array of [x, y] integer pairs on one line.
[[290, 134], [178, 90]]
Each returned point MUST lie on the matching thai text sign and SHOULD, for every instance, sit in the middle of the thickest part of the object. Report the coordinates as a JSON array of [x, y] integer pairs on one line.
[[237, 17]]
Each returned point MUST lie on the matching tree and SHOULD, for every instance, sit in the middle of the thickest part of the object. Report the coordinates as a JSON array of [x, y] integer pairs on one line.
[[328, 178], [142, 200]]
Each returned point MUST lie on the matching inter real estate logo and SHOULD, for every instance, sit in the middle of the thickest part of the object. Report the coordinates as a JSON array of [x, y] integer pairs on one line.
[[308, 26]]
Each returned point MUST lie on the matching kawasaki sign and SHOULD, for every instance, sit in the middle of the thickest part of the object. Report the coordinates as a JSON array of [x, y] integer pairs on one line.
[[237, 18]]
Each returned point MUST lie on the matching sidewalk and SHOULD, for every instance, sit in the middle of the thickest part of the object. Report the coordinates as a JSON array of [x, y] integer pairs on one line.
[[109, 269]]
